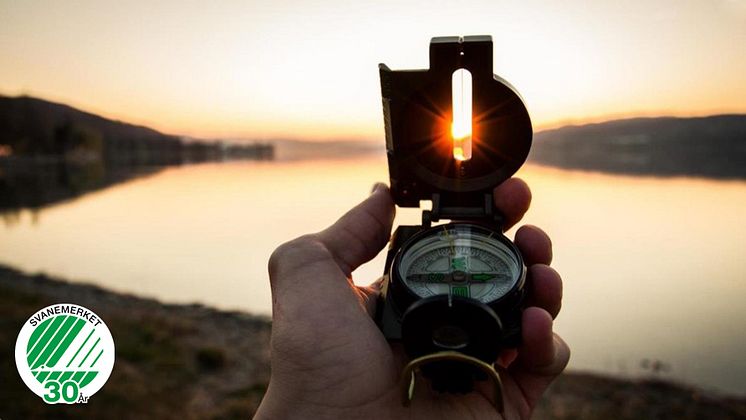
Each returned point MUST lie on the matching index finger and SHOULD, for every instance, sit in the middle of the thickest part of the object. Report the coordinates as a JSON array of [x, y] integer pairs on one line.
[[512, 198]]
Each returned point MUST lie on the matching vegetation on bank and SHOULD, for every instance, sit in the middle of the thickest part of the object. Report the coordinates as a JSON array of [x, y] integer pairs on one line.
[[185, 362], [193, 362]]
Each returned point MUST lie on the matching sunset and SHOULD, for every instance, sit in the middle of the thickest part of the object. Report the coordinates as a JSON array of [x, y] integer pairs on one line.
[[261, 70], [373, 209]]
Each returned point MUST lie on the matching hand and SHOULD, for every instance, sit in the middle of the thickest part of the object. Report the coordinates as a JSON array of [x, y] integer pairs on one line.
[[330, 360]]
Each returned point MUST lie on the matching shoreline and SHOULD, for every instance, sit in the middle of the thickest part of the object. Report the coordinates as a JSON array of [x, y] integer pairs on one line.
[[193, 361]]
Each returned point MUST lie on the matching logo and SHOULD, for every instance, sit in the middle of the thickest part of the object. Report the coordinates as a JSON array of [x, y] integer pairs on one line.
[[64, 353]]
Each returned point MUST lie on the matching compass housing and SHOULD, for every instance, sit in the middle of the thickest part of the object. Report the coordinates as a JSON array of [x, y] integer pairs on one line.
[[424, 165], [496, 317]]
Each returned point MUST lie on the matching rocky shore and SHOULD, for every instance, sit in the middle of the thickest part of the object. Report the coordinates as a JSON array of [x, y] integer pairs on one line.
[[190, 361]]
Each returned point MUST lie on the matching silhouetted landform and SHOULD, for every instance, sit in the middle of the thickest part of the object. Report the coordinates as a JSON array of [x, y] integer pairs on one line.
[[194, 362], [35, 128], [51, 152], [705, 146]]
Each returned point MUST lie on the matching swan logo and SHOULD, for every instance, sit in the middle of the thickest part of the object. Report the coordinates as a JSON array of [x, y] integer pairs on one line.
[[65, 353]]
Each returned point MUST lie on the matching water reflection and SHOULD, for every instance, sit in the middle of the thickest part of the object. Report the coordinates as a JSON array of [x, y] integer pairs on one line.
[[37, 184], [36, 181], [653, 268]]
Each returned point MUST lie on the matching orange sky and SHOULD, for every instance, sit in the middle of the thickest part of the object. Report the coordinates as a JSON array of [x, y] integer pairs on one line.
[[297, 69]]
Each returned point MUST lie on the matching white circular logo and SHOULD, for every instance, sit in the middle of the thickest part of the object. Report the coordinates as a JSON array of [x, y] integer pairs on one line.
[[65, 353]]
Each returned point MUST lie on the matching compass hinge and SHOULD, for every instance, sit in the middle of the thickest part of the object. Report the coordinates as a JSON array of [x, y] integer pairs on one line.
[[444, 208]]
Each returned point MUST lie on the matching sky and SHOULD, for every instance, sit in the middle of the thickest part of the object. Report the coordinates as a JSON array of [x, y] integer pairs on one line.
[[263, 70]]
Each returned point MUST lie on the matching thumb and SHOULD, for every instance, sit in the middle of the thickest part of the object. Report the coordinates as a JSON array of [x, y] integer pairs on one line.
[[362, 232]]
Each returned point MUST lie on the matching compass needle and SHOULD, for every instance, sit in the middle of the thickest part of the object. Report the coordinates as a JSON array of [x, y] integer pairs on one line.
[[474, 247]]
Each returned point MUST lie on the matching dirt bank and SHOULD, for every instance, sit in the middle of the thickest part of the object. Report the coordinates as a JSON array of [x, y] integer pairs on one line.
[[190, 361]]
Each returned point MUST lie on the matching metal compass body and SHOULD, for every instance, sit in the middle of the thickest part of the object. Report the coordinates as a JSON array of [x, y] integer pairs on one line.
[[452, 294]]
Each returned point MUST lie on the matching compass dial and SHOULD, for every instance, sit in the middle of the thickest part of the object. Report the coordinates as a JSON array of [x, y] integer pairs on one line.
[[461, 261]]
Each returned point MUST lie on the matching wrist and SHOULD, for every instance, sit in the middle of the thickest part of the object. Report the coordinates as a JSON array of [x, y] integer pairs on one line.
[[284, 402]]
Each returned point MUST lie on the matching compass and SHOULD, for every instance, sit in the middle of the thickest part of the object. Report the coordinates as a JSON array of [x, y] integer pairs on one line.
[[454, 285], [459, 260]]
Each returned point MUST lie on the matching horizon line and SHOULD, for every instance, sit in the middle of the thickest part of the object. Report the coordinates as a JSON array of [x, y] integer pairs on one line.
[[362, 138]]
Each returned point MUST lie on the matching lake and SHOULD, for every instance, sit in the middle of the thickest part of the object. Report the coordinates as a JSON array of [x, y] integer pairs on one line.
[[654, 268]]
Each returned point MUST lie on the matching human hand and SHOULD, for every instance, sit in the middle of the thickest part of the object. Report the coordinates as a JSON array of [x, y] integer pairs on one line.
[[330, 360]]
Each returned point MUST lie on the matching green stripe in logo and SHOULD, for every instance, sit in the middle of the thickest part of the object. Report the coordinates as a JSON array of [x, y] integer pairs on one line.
[[65, 344], [96, 360], [37, 334], [80, 348], [44, 340], [55, 342], [89, 352], [88, 378], [65, 376]]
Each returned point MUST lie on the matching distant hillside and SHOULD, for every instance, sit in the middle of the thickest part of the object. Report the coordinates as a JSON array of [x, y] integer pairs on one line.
[[25, 115], [34, 127], [706, 146], [51, 152]]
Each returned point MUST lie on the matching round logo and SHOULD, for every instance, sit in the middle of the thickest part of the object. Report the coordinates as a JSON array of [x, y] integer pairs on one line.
[[64, 353]]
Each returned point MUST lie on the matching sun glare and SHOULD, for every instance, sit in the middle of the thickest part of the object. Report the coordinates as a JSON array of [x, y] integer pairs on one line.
[[462, 116]]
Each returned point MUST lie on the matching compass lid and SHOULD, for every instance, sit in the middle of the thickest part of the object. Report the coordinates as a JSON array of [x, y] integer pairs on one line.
[[421, 143]]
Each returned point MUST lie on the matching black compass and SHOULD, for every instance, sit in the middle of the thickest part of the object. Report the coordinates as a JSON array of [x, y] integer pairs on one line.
[[453, 292]]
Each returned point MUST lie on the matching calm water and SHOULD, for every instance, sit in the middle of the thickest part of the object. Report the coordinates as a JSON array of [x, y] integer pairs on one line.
[[653, 268]]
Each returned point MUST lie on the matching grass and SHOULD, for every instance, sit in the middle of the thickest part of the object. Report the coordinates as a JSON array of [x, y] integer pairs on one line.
[[192, 362]]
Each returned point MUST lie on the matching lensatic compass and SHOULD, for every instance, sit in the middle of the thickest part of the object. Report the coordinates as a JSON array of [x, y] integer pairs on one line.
[[453, 293]]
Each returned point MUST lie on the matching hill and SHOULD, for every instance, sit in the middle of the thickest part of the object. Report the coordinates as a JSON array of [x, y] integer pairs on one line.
[[51, 152], [33, 127], [25, 115], [712, 146]]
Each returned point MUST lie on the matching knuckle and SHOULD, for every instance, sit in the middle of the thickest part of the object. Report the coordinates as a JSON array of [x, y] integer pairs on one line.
[[551, 277], [550, 271], [293, 253], [543, 270]]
